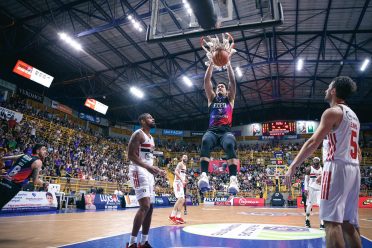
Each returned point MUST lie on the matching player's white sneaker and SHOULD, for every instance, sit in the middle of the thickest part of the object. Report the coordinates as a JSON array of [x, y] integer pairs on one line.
[[203, 183], [233, 186]]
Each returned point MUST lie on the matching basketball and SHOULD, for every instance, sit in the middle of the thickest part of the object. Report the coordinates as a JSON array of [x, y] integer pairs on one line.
[[220, 57]]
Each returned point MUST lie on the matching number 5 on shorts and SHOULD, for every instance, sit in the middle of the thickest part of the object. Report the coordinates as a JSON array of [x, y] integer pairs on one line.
[[354, 145]]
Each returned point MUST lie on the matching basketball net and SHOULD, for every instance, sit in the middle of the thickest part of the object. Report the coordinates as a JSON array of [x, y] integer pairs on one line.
[[210, 45]]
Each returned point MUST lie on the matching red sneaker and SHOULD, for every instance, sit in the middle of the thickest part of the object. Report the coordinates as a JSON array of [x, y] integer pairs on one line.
[[173, 220], [134, 245], [145, 245], [180, 221]]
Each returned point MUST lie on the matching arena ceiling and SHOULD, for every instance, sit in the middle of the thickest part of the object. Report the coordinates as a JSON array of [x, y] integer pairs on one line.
[[333, 37]]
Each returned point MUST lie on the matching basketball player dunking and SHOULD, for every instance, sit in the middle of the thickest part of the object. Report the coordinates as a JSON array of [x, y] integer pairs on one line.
[[313, 175], [18, 175], [221, 104], [141, 173], [178, 188], [340, 183]]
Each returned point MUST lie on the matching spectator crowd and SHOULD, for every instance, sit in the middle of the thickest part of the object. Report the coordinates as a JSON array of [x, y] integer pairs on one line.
[[90, 156]]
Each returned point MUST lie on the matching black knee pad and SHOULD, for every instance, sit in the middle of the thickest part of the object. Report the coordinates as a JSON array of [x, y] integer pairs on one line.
[[208, 142], [228, 144]]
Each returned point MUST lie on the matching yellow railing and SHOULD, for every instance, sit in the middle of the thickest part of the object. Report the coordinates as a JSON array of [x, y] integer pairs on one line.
[[75, 185]]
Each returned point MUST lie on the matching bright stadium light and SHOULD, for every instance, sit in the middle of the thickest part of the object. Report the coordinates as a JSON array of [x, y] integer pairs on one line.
[[187, 6], [187, 81], [300, 64], [239, 72], [364, 65], [73, 43], [136, 24], [136, 92]]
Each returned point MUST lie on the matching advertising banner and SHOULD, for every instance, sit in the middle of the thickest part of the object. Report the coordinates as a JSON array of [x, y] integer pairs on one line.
[[172, 200], [254, 129], [290, 137], [220, 166], [30, 94], [365, 202], [306, 127], [6, 114], [208, 201], [161, 201], [96, 105], [225, 203], [98, 201], [29, 72], [197, 133], [107, 201], [172, 132], [249, 202], [61, 107], [220, 201], [32, 201], [365, 126], [131, 201], [89, 118]]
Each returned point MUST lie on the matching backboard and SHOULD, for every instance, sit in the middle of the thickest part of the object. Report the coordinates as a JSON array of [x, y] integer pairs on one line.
[[181, 19]]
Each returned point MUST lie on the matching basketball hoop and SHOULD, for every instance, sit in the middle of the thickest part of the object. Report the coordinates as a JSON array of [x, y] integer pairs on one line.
[[211, 45]]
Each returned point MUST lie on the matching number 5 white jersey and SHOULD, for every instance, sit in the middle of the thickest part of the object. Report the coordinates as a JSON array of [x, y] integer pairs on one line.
[[343, 142]]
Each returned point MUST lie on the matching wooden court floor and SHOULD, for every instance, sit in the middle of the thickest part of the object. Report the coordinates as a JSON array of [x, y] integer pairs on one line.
[[53, 230]]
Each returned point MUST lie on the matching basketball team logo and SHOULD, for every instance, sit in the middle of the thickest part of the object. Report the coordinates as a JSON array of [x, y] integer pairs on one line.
[[255, 231]]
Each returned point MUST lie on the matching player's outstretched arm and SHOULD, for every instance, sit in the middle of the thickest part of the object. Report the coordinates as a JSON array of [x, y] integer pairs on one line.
[[232, 83], [329, 119], [208, 87], [14, 157]]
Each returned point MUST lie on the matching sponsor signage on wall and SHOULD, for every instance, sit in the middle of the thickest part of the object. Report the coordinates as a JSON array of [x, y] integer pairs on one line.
[[220, 201], [30, 94], [254, 129], [32, 201], [61, 107], [131, 201], [365, 202], [197, 133], [100, 201], [172, 132], [249, 202], [89, 118], [7, 114], [29, 72], [306, 127]]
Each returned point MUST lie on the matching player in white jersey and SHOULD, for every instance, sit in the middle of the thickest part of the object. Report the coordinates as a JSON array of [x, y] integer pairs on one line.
[[313, 175], [141, 173], [178, 188], [340, 183]]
